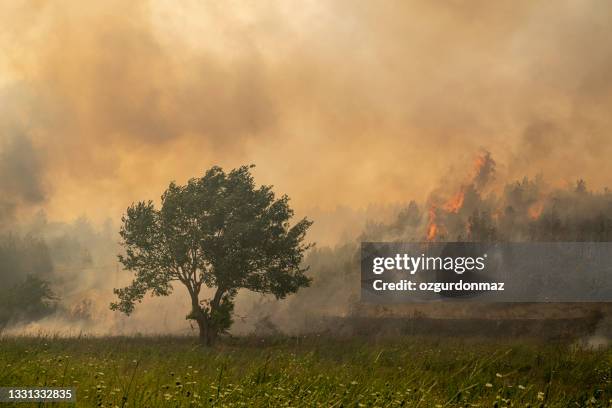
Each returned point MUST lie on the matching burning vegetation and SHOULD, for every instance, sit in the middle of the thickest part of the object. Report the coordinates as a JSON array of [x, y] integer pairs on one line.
[[480, 208], [523, 210]]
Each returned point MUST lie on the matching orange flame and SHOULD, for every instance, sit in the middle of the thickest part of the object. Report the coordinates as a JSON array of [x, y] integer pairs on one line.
[[432, 231], [479, 162], [535, 210], [432, 228], [455, 203]]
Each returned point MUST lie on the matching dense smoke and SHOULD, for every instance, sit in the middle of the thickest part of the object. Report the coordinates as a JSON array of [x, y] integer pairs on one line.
[[523, 210], [351, 108], [481, 208], [19, 175], [477, 209], [339, 104]]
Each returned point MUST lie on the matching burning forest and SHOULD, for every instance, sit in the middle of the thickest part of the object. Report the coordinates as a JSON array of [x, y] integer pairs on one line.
[[186, 189], [479, 208]]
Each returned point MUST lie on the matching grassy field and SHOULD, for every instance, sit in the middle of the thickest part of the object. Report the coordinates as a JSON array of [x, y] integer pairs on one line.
[[311, 371]]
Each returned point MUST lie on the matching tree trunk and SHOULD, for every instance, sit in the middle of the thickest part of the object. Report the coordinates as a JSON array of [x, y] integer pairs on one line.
[[206, 332], [203, 331], [208, 335], [211, 337]]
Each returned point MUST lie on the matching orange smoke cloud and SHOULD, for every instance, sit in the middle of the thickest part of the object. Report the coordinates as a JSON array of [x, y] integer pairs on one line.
[[118, 100]]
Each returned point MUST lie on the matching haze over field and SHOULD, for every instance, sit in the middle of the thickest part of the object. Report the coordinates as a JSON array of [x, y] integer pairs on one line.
[[352, 108]]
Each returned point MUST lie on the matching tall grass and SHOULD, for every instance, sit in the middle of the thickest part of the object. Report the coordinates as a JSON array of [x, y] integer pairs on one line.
[[311, 371]]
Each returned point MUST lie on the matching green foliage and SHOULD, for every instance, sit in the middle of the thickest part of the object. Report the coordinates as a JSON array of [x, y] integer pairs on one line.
[[312, 371], [220, 317], [220, 231]]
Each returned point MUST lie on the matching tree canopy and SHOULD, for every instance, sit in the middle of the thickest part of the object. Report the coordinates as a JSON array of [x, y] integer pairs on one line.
[[219, 231]]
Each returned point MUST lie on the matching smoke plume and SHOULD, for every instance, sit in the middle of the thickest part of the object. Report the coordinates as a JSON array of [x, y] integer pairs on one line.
[[352, 108]]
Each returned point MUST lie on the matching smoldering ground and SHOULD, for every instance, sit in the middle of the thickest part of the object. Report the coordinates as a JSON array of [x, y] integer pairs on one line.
[[341, 105]]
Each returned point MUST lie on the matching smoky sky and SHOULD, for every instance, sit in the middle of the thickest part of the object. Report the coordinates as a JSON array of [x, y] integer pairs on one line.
[[341, 103], [21, 163]]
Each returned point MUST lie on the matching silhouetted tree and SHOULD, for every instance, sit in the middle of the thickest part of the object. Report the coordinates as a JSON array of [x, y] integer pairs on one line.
[[218, 231], [25, 266], [29, 300]]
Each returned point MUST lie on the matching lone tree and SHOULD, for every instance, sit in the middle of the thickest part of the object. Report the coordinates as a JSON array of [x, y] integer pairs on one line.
[[218, 231]]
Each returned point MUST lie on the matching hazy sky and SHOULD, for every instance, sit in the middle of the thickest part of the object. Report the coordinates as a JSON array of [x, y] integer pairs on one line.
[[336, 102]]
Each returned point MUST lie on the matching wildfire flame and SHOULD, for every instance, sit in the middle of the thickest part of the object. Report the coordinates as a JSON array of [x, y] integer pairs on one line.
[[452, 206], [432, 227], [484, 168], [455, 203], [479, 163], [535, 211]]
